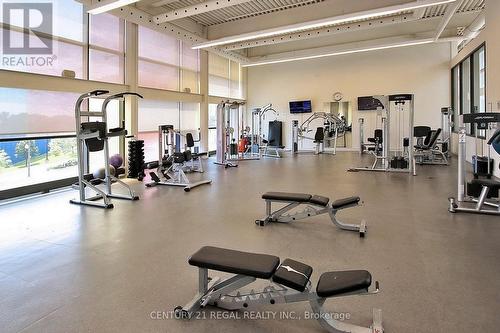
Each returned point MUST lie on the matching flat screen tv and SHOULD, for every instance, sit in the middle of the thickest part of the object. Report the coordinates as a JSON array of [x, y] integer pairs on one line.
[[369, 103], [301, 107]]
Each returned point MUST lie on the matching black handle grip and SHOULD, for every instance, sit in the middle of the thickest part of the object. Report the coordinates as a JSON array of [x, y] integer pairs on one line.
[[126, 93], [98, 92]]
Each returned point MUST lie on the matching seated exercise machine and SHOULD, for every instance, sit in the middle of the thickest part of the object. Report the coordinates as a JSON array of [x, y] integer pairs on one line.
[[489, 187], [92, 136], [172, 164], [333, 128], [289, 283], [315, 205], [392, 146], [427, 150]]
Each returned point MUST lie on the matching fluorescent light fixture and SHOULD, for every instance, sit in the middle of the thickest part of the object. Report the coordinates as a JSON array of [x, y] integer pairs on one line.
[[323, 22], [374, 48], [107, 5]]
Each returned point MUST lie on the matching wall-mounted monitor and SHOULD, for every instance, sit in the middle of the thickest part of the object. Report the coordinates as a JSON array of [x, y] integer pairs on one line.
[[301, 107], [370, 103]]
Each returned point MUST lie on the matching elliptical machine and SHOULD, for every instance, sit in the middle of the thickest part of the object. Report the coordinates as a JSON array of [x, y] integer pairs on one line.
[[93, 137]]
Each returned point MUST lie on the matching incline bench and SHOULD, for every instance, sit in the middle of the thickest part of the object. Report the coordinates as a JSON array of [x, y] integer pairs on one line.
[[289, 283], [316, 205]]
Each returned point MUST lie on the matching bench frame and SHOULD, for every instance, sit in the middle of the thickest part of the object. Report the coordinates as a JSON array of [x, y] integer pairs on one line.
[[479, 208], [310, 210], [175, 176], [217, 292]]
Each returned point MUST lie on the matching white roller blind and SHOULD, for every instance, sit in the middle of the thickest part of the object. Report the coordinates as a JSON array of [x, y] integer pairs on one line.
[[218, 70]]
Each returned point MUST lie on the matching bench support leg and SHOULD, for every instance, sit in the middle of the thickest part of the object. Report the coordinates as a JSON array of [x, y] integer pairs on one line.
[[347, 226], [336, 326]]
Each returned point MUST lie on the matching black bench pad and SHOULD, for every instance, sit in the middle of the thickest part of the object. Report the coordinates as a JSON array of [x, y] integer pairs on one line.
[[260, 266], [345, 202], [319, 200], [293, 279], [341, 282], [296, 197], [491, 183]]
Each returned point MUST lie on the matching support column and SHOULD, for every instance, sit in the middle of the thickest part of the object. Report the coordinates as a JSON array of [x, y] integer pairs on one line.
[[204, 103], [131, 68], [131, 80]]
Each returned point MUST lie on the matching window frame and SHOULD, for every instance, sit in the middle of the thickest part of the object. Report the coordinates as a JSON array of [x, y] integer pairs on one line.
[[472, 74]]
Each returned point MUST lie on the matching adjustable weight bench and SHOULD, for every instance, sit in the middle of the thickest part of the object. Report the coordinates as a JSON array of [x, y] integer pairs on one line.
[[289, 283], [315, 205]]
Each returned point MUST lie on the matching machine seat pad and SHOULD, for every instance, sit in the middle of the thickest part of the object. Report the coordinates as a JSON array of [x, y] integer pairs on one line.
[[260, 266], [286, 276], [491, 183], [341, 282], [282, 196], [341, 203], [319, 200]]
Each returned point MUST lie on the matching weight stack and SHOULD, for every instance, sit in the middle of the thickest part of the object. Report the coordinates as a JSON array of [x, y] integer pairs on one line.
[[136, 159]]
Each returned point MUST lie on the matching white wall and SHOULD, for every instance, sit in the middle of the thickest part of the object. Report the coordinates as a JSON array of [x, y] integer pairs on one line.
[[421, 70], [489, 36]]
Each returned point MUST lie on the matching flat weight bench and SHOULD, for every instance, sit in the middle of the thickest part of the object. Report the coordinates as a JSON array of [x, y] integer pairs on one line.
[[315, 205], [289, 283]]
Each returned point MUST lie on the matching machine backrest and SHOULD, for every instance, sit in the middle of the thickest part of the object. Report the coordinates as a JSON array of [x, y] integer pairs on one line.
[[433, 137], [189, 140], [320, 134]]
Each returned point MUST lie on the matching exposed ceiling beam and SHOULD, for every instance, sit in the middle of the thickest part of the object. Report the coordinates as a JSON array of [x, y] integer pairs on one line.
[[322, 32], [450, 11], [342, 49], [196, 9], [420, 12], [140, 17], [330, 21], [162, 3], [102, 6]]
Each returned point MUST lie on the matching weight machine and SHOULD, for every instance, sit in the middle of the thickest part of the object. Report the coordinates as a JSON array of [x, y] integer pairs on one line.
[[259, 145], [329, 133], [232, 142], [392, 153], [172, 163], [489, 187], [92, 136]]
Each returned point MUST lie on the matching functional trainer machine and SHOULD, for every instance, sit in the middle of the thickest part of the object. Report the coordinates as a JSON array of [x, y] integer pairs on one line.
[[289, 283], [315, 205], [393, 143], [480, 121], [173, 164], [333, 127], [259, 144], [229, 132], [92, 136]]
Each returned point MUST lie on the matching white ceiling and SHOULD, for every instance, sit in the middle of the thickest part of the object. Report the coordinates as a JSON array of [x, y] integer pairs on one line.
[[248, 16]]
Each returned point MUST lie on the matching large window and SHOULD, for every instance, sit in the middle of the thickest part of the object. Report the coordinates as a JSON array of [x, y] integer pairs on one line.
[[469, 87], [106, 50], [158, 60], [68, 42], [167, 63], [224, 77], [212, 127], [37, 141]]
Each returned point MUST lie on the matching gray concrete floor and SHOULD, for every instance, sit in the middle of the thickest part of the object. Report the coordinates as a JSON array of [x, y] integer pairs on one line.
[[66, 268]]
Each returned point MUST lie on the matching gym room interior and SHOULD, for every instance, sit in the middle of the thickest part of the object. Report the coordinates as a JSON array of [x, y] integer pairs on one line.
[[250, 166]]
